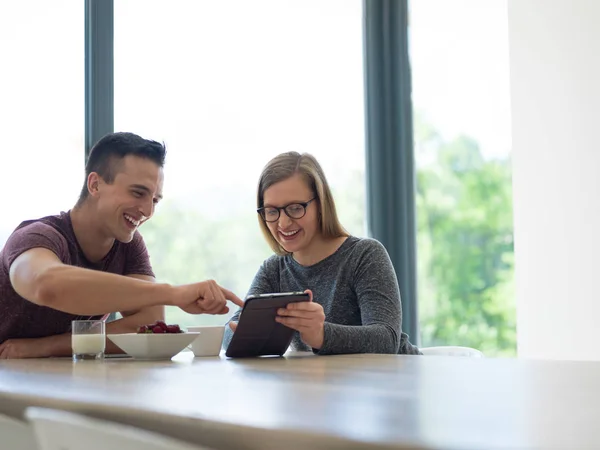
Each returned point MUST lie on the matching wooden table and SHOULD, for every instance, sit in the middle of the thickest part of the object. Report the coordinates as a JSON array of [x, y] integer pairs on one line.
[[310, 401]]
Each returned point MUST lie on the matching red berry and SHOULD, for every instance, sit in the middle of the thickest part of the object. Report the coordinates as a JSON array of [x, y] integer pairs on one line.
[[157, 329], [161, 324], [173, 329], [142, 329]]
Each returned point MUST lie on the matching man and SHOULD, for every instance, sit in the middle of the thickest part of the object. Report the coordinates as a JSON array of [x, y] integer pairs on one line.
[[92, 261]]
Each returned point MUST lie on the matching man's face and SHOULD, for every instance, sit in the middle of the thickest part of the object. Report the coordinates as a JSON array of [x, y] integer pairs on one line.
[[130, 200]]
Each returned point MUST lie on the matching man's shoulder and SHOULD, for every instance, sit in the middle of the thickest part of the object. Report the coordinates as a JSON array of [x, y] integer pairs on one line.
[[49, 232], [59, 222]]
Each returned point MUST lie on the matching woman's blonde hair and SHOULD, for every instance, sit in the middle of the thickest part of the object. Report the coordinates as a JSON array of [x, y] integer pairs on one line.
[[286, 165]]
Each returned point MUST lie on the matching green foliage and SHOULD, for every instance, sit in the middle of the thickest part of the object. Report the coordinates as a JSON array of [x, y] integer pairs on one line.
[[465, 245]]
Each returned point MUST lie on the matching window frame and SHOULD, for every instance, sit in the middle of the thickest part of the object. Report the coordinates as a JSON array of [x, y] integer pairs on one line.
[[390, 179]]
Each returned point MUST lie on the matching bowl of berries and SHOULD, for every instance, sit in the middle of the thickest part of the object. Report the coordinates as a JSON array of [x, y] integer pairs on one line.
[[154, 341]]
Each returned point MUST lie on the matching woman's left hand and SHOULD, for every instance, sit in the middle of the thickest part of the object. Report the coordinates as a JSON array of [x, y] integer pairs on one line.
[[307, 318]]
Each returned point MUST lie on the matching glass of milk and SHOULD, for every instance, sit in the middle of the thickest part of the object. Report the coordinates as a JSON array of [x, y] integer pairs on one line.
[[88, 339]]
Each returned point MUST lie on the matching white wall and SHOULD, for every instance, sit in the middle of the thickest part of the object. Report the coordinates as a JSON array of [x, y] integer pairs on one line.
[[555, 96]]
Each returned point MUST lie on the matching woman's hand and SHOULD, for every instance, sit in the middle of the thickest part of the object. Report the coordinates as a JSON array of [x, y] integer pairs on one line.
[[308, 318]]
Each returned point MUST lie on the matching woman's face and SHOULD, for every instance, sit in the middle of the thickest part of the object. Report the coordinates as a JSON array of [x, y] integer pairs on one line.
[[293, 234]]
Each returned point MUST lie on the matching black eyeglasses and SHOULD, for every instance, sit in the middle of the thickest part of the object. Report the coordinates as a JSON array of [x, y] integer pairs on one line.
[[293, 211]]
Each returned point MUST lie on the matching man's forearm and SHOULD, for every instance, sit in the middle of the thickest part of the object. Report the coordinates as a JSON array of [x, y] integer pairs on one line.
[[60, 345], [63, 287], [130, 323]]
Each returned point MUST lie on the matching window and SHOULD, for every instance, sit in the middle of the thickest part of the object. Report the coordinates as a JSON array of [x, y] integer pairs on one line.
[[459, 59], [41, 109], [227, 86]]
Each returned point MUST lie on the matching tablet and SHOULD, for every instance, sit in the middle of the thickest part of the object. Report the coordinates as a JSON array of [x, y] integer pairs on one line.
[[257, 333]]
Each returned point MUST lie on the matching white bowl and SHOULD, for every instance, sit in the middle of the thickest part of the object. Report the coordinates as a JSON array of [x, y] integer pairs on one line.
[[210, 340], [152, 346]]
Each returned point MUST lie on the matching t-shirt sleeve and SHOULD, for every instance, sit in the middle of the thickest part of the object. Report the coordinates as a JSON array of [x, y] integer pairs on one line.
[[35, 235], [138, 259]]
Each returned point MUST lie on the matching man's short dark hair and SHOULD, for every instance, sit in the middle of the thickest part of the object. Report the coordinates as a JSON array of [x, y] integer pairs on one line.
[[107, 156]]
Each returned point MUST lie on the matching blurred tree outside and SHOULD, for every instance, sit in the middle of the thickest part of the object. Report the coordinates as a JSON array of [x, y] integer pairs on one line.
[[465, 244]]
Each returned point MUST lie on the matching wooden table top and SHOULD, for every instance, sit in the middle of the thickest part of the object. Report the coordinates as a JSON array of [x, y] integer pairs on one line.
[[378, 400]]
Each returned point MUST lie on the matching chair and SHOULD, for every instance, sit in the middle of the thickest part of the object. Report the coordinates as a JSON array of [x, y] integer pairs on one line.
[[62, 430], [451, 351], [16, 434]]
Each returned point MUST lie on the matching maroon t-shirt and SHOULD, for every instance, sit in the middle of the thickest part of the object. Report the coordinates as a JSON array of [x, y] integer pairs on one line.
[[20, 318]]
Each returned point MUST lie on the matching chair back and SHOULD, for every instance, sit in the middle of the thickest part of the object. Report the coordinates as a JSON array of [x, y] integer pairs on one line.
[[16, 434], [62, 430]]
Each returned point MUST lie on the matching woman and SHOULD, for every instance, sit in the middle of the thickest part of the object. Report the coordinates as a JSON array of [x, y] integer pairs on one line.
[[355, 301]]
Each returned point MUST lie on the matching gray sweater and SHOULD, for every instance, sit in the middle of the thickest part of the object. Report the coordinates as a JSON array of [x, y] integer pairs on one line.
[[358, 290]]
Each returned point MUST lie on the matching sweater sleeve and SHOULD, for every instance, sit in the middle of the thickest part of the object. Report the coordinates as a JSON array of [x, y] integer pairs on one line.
[[378, 297]]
